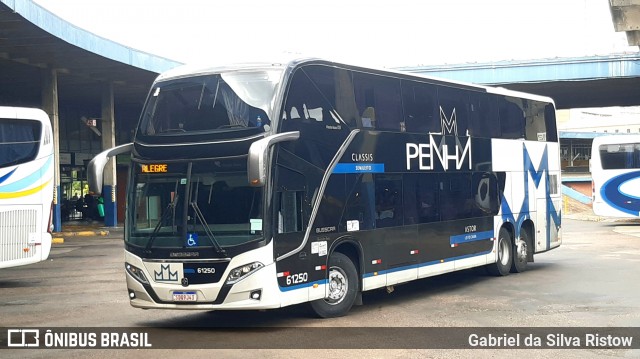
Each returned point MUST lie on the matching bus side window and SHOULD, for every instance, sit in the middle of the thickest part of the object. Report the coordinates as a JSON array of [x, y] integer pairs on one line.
[[550, 123], [388, 201], [486, 193], [457, 197], [332, 201], [512, 121], [380, 96], [290, 211], [484, 121], [535, 126], [368, 117], [360, 202], [421, 113]]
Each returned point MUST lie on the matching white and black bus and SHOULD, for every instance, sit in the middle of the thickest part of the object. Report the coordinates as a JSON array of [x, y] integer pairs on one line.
[[263, 186]]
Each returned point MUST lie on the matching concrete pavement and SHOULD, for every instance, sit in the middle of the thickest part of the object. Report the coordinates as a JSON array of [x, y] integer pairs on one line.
[[84, 228]]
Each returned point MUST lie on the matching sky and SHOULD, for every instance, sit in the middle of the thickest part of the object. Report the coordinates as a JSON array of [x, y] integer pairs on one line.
[[369, 33]]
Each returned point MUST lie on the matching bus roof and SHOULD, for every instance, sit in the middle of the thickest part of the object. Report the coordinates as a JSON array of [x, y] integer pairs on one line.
[[26, 113], [289, 62], [616, 138]]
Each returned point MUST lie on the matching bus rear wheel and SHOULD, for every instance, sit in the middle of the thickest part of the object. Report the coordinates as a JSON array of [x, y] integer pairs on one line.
[[505, 255], [521, 253], [342, 288]]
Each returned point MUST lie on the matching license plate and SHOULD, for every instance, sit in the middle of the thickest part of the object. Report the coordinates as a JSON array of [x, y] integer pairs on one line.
[[185, 296]]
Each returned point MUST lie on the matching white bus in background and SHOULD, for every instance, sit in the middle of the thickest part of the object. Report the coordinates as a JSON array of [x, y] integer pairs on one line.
[[615, 172], [26, 186]]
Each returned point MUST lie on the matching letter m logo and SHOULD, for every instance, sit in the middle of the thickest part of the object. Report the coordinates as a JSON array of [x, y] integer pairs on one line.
[[166, 274], [552, 214], [449, 124]]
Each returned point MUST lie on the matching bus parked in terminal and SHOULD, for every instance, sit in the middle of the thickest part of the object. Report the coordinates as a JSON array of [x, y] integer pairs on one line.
[[615, 174], [263, 186], [26, 186]]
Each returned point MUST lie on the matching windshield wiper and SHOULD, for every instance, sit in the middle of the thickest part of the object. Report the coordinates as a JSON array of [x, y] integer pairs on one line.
[[171, 207], [207, 229]]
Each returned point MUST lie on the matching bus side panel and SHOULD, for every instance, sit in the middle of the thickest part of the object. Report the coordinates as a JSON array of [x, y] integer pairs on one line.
[[552, 202], [402, 253], [440, 247], [27, 191], [531, 189]]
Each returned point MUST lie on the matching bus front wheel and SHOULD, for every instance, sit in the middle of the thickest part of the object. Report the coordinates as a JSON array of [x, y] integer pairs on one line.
[[502, 266], [342, 288]]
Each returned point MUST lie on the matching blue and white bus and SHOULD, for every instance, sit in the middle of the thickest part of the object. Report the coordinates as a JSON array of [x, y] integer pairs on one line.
[[615, 173], [26, 186], [266, 185]]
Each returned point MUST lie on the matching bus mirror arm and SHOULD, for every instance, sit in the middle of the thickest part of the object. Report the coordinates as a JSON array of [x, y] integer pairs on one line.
[[95, 169], [258, 152]]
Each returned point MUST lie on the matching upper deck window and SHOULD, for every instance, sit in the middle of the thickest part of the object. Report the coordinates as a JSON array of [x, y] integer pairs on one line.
[[212, 103]]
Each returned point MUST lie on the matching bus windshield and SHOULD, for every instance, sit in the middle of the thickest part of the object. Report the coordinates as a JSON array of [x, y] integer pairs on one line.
[[19, 141], [194, 204], [620, 156], [229, 101]]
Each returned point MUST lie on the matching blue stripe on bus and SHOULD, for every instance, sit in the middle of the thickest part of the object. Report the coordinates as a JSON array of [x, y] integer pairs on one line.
[[28, 180], [619, 200], [426, 264], [359, 168], [4, 178], [387, 271], [470, 237], [303, 285]]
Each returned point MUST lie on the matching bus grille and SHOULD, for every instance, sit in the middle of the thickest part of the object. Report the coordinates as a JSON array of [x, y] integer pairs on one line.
[[15, 227]]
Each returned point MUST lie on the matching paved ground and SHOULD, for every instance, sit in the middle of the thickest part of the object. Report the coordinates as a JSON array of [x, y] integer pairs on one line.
[[591, 280], [82, 228]]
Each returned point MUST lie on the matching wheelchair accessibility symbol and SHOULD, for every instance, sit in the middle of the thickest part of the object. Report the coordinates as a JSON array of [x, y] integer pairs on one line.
[[192, 240]]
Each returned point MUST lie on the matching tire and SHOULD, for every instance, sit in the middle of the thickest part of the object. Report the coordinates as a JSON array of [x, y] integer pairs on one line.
[[342, 288], [505, 255], [521, 253]]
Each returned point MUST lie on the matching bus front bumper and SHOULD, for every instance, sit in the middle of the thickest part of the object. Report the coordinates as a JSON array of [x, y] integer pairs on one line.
[[259, 290]]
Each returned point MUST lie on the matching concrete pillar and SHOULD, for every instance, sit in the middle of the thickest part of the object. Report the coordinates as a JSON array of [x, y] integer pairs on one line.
[[109, 141], [50, 106]]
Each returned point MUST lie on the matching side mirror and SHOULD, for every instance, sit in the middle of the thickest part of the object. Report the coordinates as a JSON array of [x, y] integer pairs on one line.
[[95, 169], [258, 152]]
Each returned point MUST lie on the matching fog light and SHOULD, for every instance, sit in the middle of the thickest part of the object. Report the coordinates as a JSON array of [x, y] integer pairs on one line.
[[256, 294], [132, 294]]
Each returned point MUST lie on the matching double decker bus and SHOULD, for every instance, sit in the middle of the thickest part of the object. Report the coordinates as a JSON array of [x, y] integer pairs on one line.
[[266, 185], [615, 174], [26, 186]]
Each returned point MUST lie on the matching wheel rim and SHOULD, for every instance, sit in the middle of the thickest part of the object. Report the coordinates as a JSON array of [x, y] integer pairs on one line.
[[338, 285], [503, 252], [521, 251]]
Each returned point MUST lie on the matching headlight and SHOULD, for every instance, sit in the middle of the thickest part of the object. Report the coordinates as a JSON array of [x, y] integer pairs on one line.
[[239, 273], [136, 273]]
